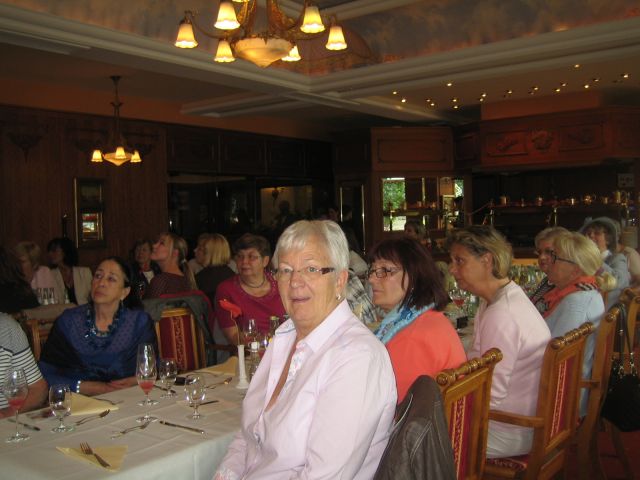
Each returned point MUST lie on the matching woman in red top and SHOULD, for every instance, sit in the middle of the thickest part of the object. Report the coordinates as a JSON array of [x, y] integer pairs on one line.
[[408, 287]]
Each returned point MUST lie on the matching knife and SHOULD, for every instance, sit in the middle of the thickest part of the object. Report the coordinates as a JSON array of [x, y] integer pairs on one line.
[[26, 425], [169, 424]]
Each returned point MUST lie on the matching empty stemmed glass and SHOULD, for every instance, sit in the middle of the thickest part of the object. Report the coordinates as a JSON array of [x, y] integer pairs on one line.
[[15, 390], [168, 372], [194, 391], [250, 332], [146, 373], [60, 403]]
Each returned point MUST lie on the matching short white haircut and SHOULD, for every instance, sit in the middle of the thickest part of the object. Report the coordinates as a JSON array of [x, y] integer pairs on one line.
[[327, 232]]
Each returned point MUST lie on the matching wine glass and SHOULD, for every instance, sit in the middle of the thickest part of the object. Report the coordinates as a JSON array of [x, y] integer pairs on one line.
[[60, 403], [194, 391], [15, 390], [250, 332], [146, 374], [168, 372]]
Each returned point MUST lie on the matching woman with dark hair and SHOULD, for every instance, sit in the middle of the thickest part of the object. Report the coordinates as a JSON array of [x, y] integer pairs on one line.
[[143, 269], [408, 287], [71, 279], [253, 289], [93, 347], [170, 253], [15, 291]]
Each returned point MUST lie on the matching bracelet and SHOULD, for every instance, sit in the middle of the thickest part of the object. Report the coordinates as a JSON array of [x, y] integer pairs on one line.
[[78, 386]]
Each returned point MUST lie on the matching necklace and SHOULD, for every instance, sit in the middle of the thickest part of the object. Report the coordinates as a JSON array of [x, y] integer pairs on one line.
[[96, 338], [264, 279]]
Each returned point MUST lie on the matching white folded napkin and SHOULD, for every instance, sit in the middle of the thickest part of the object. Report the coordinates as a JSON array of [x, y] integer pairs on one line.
[[82, 405], [230, 367], [112, 454]]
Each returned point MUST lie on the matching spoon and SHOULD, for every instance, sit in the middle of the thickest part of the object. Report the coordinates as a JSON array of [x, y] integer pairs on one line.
[[225, 382], [130, 429], [92, 417]]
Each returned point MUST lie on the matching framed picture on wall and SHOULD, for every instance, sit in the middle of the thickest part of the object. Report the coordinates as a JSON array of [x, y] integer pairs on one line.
[[89, 208]]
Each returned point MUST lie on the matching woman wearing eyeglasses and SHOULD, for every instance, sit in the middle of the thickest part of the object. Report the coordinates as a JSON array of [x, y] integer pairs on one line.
[[506, 319], [253, 289], [408, 287], [544, 245], [322, 401], [575, 298]]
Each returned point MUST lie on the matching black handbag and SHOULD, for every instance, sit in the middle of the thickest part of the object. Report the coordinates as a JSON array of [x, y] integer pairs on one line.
[[622, 402]]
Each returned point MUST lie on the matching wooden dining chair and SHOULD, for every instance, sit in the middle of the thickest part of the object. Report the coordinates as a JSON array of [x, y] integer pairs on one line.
[[554, 423], [37, 330], [587, 433], [466, 392], [179, 337]]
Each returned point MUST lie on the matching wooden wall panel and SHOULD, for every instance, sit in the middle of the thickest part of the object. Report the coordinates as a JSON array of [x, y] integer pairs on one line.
[[412, 148], [37, 192]]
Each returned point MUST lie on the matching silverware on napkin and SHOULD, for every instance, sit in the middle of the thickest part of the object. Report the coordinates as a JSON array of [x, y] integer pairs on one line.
[[169, 424], [26, 425]]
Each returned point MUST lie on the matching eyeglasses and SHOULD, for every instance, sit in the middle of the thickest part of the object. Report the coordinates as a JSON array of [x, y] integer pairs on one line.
[[285, 273], [554, 256], [382, 272], [252, 258]]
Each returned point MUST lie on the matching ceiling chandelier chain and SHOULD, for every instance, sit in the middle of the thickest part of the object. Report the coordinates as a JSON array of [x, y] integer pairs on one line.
[[276, 42], [117, 150]]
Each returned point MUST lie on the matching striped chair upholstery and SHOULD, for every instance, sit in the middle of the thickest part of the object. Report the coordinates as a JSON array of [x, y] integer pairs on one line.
[[556, 417], [179, 337], [466, 392]]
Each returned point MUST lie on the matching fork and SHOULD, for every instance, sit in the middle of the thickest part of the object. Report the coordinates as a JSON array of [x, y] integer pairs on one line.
[[87, 450], [112, 402], [225, 382], [130, 429], [92, 417]]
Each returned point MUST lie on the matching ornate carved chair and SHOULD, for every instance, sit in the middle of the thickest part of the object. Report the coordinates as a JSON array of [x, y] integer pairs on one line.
[[587, 433], [556, 418], [466, 392], [179, 337]]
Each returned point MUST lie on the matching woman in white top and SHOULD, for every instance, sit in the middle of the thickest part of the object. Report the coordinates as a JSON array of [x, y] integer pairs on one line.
[[73, 281]]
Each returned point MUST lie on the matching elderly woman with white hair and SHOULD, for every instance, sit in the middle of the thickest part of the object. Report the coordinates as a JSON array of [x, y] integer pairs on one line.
[[575, 298], [322, 401]]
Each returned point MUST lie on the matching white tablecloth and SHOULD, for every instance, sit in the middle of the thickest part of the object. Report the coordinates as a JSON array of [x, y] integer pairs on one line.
[[158, 452]]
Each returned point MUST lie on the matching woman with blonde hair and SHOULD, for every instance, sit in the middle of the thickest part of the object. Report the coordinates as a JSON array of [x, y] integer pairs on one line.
[[169, 252], [575, 297], [38, 275], [506, 319], [215, 254]]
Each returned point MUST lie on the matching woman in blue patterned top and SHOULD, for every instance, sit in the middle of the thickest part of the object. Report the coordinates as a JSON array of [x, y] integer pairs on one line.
[[93, 347]]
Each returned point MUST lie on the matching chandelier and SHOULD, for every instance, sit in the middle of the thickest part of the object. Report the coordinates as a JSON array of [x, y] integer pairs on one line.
[[116, 151], [277, 42]]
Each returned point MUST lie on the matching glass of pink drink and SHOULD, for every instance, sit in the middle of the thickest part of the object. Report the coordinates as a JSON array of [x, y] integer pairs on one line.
[[146, 373], [15, 390]]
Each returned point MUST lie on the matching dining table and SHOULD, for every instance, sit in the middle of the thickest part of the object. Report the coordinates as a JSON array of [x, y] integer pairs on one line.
[[157, 452]]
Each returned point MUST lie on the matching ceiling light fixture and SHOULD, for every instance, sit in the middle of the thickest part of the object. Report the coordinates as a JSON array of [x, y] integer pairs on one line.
[[117, 151], [276, 42]]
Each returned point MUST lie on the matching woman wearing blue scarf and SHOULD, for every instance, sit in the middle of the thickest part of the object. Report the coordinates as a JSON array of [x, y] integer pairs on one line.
[[408, 287]]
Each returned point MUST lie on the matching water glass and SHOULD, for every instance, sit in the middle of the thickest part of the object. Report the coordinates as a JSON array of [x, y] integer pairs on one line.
[[146, 373], [194, 392], [168, 372], [60, 403]]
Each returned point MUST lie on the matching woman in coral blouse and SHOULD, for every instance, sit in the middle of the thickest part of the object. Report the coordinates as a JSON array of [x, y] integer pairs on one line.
[[408, 287]]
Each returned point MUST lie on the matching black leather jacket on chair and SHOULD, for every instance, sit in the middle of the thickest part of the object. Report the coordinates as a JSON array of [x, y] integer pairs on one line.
[[419, 447]]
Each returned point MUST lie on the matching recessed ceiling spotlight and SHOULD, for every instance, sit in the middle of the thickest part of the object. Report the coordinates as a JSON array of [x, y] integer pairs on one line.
[[449, 84], [563, 84], [454, 99], [433, 104], [595, 80], [532, 92], [455, 107], [404, 100], [481, 99], [395, 92], [557, 90], [625, 75], [428, 100], [586, 86], [535, 89], [577, 65], [509, 92]]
